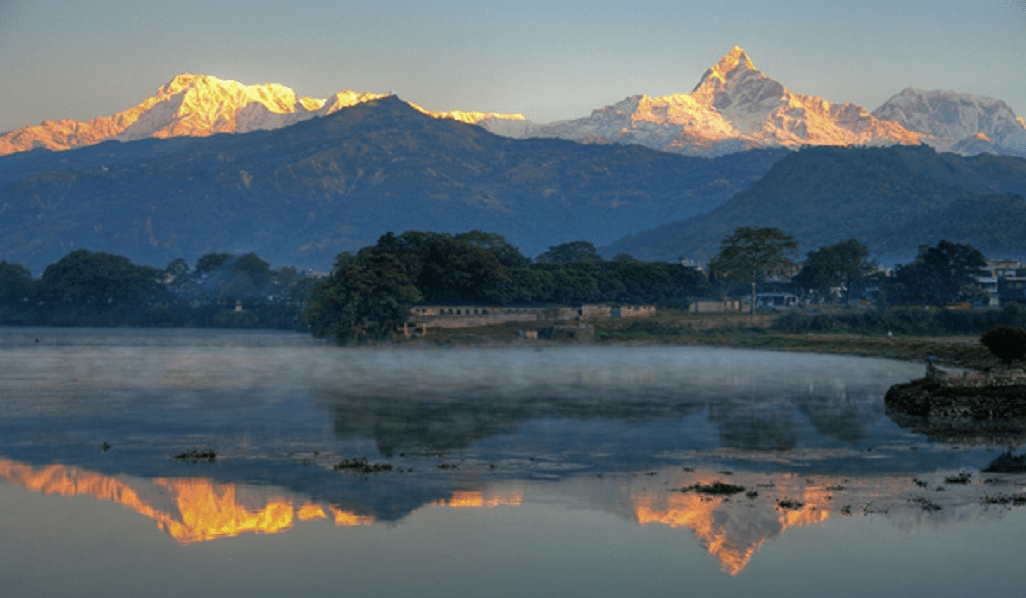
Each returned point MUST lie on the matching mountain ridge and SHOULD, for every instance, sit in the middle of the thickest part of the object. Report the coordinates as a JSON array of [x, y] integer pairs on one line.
[[199, 106], [962, 123], [890, 198], [302, 194], [734, 107]]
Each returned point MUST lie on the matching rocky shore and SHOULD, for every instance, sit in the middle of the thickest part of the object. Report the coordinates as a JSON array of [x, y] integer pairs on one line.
[[980, 396]]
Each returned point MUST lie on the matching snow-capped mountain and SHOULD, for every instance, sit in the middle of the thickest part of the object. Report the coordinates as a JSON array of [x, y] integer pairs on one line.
[[201, 105], [963, 123], [733, 107]]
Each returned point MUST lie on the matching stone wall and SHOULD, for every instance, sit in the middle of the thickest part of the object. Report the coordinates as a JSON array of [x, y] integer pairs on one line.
[[470, 320], [976, 379]]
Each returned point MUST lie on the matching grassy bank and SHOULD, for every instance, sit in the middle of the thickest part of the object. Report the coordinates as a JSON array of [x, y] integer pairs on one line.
[[721, 331]]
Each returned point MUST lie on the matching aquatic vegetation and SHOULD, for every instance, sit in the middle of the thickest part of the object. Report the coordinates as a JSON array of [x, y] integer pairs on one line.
[[926, 504], [1004, 499], [716, 488], [361, 466], [789, 504], [194, 455], [961, 478]]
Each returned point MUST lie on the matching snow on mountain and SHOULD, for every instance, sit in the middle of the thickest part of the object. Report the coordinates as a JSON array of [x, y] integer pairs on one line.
[[963, 123], [733, 107], [673, 123], [201, 105]]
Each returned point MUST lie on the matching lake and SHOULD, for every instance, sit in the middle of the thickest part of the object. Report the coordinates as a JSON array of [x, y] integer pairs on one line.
[[174, 462]]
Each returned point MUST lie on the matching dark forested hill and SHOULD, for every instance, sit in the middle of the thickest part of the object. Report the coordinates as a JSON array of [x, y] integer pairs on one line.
[[302, 194], [892, 199]]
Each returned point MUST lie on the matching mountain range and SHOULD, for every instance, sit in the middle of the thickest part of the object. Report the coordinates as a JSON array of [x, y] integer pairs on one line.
[[211, 165], [198, 106], [734, 107], [304, 193]]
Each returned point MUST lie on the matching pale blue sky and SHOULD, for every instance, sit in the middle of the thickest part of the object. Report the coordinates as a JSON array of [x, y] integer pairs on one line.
[[546, 59]]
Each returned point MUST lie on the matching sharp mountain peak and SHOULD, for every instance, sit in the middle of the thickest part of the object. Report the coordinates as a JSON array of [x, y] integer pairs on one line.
[[733, 107], [731, 61]]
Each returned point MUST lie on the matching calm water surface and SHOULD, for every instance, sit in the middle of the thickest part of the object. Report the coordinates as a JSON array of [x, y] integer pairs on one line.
[[483, 472]]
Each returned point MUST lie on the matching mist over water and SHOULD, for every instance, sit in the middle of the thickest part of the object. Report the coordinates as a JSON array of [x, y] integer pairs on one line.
[[522, 437]]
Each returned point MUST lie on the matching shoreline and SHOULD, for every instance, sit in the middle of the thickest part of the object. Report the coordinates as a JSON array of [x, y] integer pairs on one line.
[[962, 352]]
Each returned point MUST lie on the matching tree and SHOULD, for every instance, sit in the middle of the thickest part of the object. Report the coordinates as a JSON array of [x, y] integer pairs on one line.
[[212, 262], [575, 251], [837, 266], [99, 279], [365, 298], [941, 275], [752, 255], [16, 283], [1007, 343], [531, 284], [448, 268], [507, 254]]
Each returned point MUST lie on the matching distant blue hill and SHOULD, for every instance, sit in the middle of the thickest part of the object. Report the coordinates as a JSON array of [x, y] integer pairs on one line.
[[302, 194], [892, 199]]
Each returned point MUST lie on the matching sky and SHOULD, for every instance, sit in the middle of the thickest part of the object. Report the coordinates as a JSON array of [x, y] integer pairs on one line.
[[549, 60]]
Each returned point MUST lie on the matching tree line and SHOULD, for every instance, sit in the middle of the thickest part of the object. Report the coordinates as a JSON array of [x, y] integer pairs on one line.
[[940, 275], [367, 294], [88, 288], [370, 292]]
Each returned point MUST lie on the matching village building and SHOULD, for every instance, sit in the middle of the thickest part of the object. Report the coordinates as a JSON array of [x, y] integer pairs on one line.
[[776, 301], [1003, 279], [690, 264], [1012, 289]]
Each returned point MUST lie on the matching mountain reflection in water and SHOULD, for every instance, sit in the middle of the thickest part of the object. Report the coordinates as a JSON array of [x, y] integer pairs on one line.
[[730, 528], [190, 509], [634, 432]]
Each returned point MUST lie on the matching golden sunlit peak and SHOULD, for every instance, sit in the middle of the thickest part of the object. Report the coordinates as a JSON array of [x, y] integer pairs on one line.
[[729, 63], [735, 58], [186, 80]]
